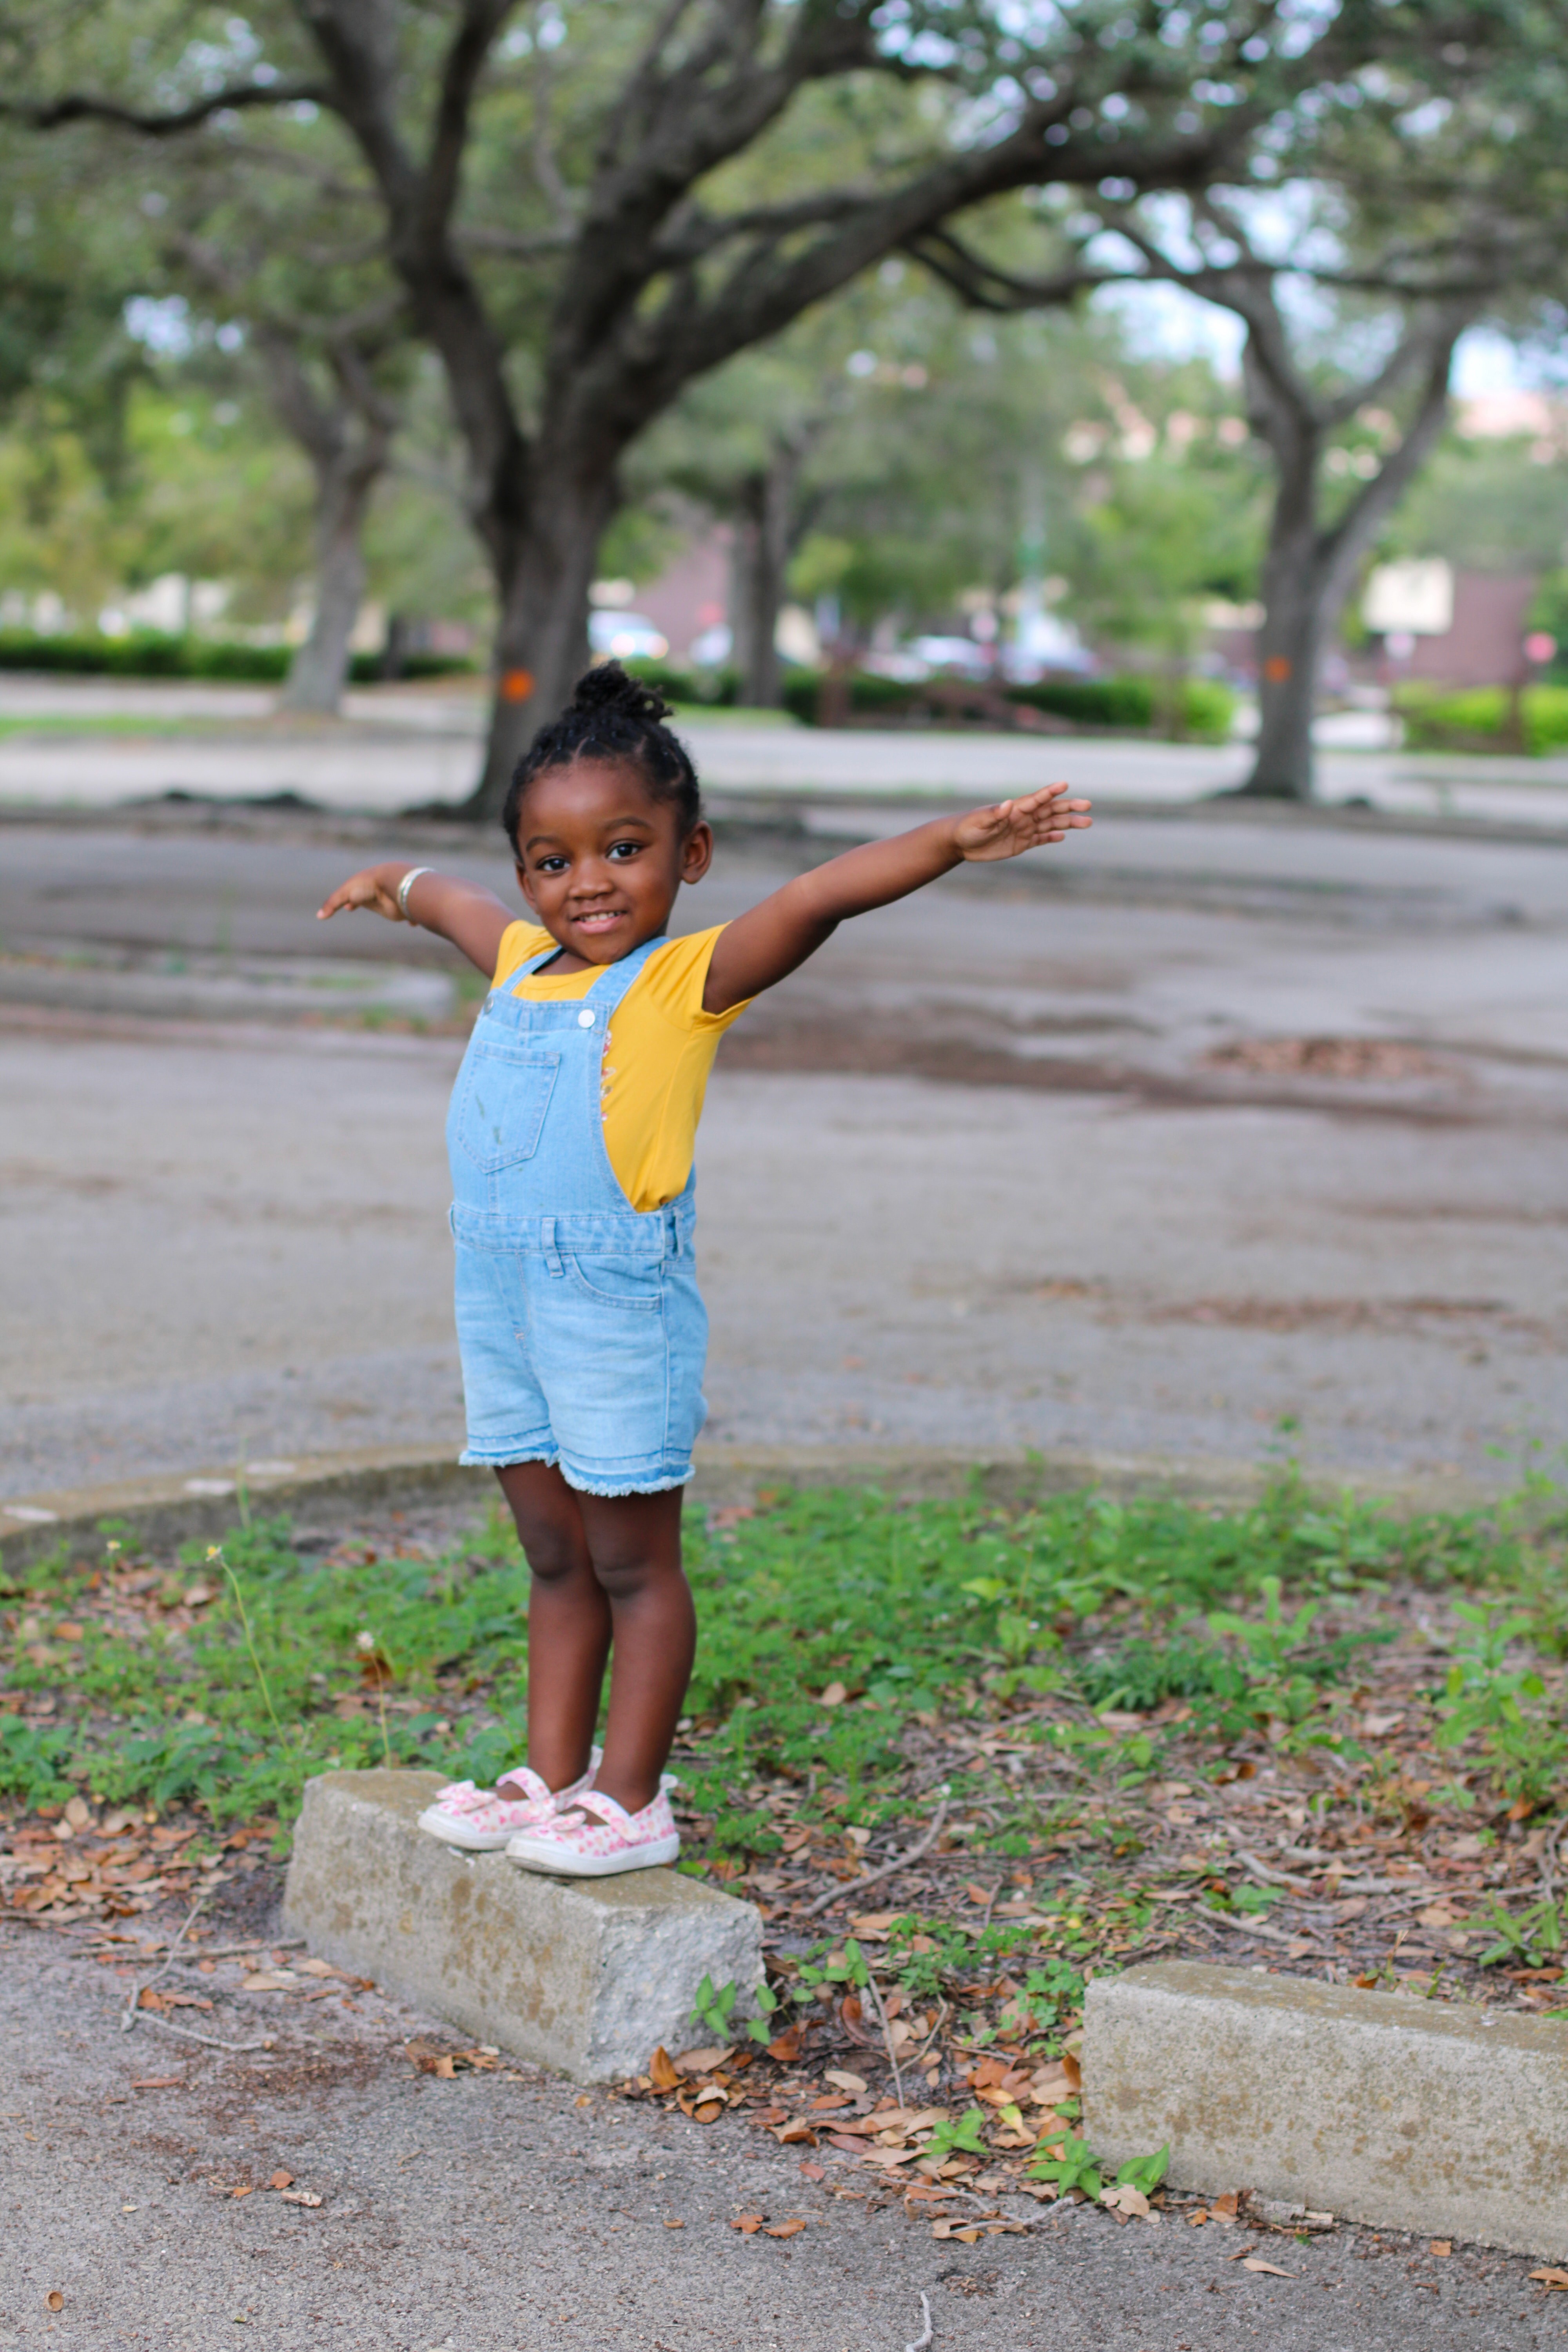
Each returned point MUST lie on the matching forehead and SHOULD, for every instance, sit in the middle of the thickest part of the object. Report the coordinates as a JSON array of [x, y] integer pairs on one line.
[[587, 795]]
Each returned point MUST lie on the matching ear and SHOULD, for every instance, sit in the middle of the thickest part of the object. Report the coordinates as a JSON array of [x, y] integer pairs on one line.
[[696, 852]]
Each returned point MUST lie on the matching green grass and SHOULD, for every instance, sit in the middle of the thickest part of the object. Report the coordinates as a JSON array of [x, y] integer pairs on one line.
[[920, 1610]]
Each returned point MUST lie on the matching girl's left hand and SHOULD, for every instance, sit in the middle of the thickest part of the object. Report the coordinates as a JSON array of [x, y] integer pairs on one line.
[[1013, 826]]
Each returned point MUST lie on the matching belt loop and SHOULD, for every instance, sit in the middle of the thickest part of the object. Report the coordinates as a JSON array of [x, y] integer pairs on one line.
[[552, 1253], [671, 1234]]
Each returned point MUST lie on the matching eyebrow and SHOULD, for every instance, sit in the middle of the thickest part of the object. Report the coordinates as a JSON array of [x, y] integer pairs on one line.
[[616, 824]]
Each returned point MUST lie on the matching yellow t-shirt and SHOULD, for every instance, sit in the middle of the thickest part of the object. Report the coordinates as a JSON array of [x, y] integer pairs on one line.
[[658, 1051]]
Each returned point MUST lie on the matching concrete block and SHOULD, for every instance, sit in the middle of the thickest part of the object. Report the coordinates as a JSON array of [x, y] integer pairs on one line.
[[1379, 2107], [586, 1975]]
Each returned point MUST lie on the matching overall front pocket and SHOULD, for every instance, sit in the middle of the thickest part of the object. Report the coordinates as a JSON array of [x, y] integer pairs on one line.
[[498, 1110]]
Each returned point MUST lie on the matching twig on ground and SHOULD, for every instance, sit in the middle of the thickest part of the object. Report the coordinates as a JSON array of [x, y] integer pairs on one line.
[[884, 1870], [133, 1999], [923, 2338], [189, 2033], [887, 2026]]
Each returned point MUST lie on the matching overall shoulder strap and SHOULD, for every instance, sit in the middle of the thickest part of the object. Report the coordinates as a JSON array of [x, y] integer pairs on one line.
[[619, 977]]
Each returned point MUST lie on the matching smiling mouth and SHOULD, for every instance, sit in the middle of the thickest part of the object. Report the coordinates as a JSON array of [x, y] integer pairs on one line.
[[600, 918]]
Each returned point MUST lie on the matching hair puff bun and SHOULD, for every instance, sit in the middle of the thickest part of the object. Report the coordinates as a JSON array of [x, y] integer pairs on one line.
[[610, 687]]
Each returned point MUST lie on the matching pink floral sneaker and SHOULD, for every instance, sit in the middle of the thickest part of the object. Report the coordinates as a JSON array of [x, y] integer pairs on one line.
[[482, 1820], [597, 1838]]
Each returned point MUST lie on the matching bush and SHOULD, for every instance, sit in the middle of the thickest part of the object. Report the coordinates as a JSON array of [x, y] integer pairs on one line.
[[719, 689], [1126, 705], [1480, 717], [148, 653]]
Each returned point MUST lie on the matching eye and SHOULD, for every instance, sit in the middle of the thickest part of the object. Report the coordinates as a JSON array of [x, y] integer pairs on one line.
[[552, 865], [621, 851]]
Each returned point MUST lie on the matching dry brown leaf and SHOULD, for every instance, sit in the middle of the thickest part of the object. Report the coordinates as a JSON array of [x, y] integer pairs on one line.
[[702, 2062], [281, 2180], [266, 1981], [748, 2224], [786, 2048], [833, 1695], [55, 2300], [247, 2190], [815, 2171], [844, 2080], [300, 2196], [158, 2083], [783, 2229], [661, 2070], [1125, 2200], [798, 2133], [674, 2225], [1550, 2277], [426, 2061], [1441, 2247], [1251, 2263]]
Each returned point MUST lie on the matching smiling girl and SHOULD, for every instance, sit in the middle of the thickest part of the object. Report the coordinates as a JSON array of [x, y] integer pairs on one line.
[[571, 1134]]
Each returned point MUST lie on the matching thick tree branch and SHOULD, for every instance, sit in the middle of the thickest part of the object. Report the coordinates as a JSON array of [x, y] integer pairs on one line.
[[81, 106]]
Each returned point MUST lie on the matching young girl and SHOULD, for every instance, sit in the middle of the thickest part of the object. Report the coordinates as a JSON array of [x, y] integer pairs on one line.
[[571, 1134]]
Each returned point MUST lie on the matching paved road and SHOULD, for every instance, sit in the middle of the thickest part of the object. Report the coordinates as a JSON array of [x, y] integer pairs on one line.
[[492, 2215], [1145, 1145], [403, 747]]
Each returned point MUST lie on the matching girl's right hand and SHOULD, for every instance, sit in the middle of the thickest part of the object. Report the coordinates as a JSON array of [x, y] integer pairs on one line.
[[374, 887]]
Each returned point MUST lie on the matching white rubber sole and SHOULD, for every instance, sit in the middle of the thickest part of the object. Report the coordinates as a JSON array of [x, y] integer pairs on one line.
[[539, 1853], [452, 1830]]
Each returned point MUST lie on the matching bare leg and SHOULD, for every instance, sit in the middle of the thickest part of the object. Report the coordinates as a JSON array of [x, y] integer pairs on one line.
[[634, 1542], [568, 1622]]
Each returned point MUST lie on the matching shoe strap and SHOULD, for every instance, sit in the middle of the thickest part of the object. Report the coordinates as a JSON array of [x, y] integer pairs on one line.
[[602, 1808], [535, 1790]]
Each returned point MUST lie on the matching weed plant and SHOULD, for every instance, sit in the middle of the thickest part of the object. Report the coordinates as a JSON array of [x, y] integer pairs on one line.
[[294, 1662]]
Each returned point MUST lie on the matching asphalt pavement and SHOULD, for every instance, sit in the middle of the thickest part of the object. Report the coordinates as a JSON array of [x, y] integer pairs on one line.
[[1198, 1125], [502, 2212]]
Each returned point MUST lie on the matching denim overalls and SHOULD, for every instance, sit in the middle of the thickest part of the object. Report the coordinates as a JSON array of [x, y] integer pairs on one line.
[[581, 1329]]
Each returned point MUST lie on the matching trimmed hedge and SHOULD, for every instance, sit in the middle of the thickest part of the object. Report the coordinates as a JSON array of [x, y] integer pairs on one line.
[[1126, 705], [1479, 719], [148, 653]]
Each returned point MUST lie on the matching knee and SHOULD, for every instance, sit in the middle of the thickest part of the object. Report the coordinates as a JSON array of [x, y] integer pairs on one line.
[[554, 1549], [625, 1570]]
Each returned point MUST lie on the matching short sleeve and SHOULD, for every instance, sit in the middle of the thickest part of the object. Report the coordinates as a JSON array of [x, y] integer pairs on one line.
[[519, 943], [674, 981]]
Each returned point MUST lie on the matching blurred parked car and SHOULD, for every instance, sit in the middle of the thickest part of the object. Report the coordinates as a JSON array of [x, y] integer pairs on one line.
[[959, 657], [626, 636]]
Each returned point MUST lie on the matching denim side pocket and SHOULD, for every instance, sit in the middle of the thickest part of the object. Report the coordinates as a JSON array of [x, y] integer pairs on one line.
[[630, 1281]]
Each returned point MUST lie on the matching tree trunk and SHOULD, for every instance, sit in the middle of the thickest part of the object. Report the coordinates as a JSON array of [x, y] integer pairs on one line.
[[542, 643], [320, 668], [1289, 649], [764, 533]]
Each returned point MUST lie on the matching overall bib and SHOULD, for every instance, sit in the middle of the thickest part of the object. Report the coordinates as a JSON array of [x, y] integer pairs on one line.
[[582, 1332]]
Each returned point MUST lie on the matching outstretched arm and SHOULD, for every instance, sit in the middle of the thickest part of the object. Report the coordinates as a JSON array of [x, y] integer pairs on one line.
[[471, 917], [760, 947]]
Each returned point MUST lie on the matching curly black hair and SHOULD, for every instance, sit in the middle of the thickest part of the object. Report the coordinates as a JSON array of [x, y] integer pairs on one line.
[[610, 716]]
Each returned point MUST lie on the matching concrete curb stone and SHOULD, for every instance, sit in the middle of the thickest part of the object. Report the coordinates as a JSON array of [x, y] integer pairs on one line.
[[1376, 2107], [585, 1976]]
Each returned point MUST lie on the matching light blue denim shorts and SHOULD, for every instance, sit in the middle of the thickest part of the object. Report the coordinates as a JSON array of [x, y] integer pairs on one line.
[[583, 1339]]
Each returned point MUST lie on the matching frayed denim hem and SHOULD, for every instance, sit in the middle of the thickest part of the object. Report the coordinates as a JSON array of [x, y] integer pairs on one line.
[[583, 1483]]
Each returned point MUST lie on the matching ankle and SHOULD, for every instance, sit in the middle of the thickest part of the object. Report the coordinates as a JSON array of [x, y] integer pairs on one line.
[[632, 1796]]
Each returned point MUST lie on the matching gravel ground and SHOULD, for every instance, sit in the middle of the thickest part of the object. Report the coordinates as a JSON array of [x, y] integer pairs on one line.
[[475, 2214]]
